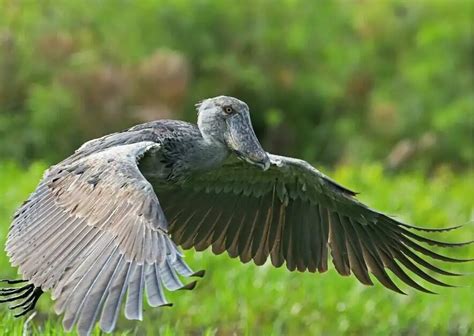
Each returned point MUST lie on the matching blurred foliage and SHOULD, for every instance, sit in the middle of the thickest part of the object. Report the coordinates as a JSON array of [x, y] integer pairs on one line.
[[249, 300], [330, 81], [334, 82]]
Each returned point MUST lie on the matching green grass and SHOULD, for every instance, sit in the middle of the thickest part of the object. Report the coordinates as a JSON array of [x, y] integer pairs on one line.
[[245, 299]]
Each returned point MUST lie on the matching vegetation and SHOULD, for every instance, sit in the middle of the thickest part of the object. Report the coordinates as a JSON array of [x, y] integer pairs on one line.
[[396, 72], [262, 300], [341, 84]]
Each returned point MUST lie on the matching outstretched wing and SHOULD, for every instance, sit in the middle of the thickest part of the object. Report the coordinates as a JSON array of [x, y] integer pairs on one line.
[[295, 214], [93, 231]]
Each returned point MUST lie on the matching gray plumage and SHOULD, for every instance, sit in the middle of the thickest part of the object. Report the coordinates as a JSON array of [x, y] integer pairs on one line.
[[102, 226]]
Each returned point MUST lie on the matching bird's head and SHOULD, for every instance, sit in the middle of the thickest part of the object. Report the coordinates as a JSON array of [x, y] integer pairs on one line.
[[227, 120]]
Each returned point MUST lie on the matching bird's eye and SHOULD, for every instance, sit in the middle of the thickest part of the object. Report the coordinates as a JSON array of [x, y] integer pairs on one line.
[[228, 109]]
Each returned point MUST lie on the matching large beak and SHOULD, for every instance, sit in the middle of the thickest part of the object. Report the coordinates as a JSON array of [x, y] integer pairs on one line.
[[242, 140]]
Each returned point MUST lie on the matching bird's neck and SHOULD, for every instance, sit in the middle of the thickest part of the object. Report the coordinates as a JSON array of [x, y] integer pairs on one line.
[[212, 153], [212, 149]]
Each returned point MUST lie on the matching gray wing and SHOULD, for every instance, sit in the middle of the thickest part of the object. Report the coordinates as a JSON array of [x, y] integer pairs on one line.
[[93, 231], [294, 214]]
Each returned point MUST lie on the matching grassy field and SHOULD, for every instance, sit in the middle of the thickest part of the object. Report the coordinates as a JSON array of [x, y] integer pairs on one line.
[[249, 300]]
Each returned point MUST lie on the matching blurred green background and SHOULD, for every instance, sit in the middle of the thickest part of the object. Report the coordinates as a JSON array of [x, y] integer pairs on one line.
[[380, 93]]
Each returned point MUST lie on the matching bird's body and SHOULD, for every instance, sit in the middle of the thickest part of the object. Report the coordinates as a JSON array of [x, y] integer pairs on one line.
[[104, 224], [181, 149]]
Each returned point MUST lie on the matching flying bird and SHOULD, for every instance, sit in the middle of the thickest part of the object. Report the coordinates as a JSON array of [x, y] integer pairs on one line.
[[105, 225]]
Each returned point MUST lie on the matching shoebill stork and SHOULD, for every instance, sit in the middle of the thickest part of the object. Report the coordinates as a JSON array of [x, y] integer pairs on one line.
[[105, 225]]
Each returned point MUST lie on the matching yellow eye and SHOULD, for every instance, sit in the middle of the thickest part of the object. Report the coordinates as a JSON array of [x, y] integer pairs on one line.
[[228, 109]]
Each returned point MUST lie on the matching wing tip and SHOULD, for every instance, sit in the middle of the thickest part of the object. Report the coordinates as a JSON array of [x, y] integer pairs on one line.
[[189, 286], [420, 228], [199, 274]]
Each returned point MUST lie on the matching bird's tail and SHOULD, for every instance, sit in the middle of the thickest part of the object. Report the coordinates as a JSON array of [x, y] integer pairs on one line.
[[24, 298]]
